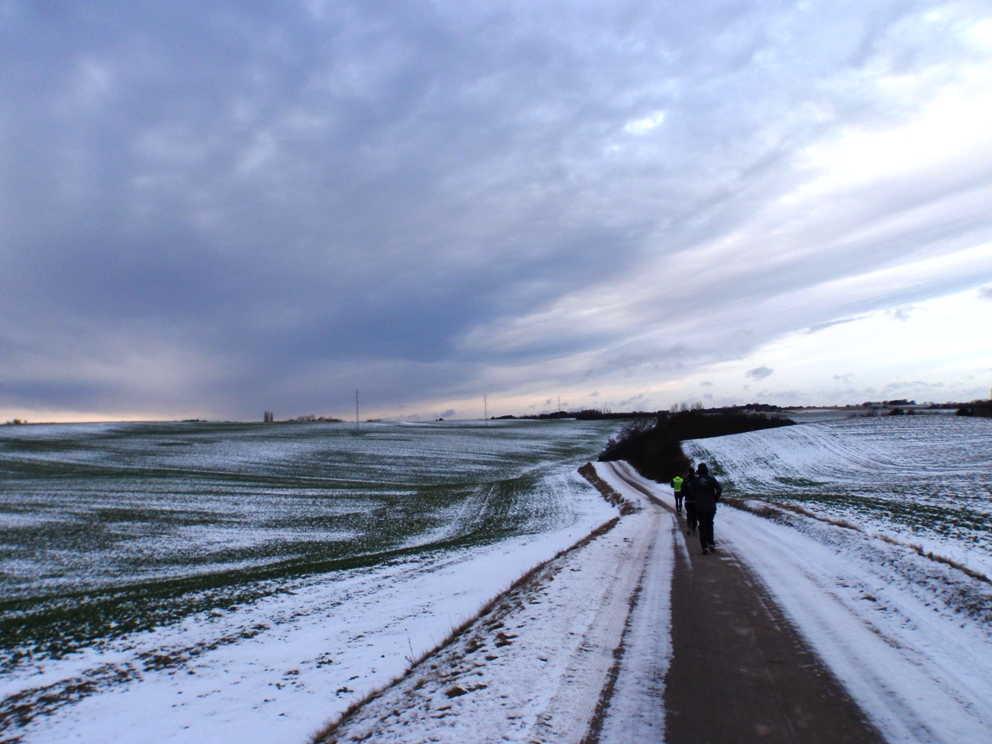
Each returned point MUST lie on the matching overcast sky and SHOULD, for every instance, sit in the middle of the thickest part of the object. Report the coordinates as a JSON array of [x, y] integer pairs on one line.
[[214, 209]]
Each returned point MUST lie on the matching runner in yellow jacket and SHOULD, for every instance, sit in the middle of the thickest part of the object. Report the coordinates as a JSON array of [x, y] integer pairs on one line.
[[677, 488]]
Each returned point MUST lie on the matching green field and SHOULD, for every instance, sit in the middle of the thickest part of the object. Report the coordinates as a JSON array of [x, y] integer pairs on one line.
[[111, 528]]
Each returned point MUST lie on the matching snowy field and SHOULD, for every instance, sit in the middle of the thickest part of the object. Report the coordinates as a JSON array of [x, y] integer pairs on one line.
[[921, 481], [201, 583], [866, 568], [247, 582]]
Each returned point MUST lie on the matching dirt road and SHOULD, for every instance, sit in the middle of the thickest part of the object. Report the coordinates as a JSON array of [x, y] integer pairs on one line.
[[582, 651], [543, 662], [739, 671]]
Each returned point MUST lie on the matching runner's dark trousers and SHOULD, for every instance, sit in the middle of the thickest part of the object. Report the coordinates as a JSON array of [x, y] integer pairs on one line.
[[690, 515], [678, 501], [705, 528]]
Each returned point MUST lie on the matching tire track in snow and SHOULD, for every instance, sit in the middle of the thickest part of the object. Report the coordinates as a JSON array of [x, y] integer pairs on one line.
[[533, 667]]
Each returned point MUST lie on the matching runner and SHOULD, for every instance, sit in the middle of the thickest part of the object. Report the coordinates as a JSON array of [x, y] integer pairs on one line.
[[677, 488], [706, 492]]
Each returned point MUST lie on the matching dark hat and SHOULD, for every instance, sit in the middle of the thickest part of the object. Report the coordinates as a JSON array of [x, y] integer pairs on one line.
[[701, 468]]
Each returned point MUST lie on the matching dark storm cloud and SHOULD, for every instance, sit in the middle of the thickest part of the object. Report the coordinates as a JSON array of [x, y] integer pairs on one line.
[[758, 373], [237, 205]]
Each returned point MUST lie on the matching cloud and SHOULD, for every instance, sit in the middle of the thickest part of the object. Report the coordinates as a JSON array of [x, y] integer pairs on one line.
[[633, 401], [706, 383], [758, 373], [914, 384], [830, 323], [985, 293], [642, 126], [844, 378], [903, 313], [280, 203]]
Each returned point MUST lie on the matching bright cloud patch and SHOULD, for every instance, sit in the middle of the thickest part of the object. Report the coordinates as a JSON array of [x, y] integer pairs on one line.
[[641, 126]]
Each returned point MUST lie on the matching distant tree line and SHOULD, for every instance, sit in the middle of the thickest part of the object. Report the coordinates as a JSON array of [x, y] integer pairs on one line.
[[982, 408], [596, 414], [654, 447], [589, 414]]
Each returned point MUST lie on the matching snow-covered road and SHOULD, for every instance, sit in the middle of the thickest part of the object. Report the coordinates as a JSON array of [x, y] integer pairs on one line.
[[581, 646]]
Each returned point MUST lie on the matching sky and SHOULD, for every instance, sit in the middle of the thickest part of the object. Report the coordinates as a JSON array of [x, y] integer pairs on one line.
[[217, 209]]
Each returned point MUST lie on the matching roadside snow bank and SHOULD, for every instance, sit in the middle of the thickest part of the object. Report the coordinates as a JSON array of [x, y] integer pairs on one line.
[[636, 711]]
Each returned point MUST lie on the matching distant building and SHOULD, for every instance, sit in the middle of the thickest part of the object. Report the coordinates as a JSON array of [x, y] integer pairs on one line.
[[269, 417]]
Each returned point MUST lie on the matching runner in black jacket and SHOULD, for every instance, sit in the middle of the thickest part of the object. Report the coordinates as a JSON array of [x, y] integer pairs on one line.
[[706, 492]]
